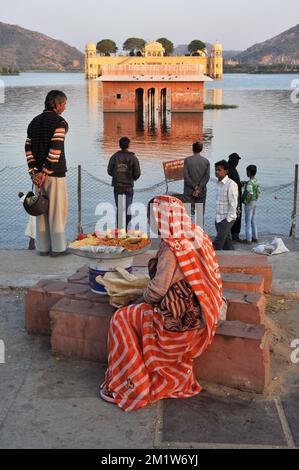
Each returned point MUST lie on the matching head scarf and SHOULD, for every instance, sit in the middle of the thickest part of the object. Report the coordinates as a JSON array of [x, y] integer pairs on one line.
[[234, 159], [196, 257]]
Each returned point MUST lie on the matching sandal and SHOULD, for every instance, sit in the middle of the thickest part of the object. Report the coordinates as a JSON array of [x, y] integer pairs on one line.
[[106, 395]]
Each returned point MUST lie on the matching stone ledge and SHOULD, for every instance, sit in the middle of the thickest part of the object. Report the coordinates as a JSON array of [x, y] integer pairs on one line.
[[247, 307], [247, 264], [243, 282], [238, 356], [40, 299], [237, 361], [80, 329]]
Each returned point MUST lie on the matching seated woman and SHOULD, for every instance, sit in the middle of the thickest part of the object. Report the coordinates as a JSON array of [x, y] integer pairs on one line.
[[152, 346]]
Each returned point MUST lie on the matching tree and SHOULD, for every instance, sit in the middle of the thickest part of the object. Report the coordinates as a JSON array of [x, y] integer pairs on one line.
[[107, 47], [167, 44], [196, 45], [133, 44]]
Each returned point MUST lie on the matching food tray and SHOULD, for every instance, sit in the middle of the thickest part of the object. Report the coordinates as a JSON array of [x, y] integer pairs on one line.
[[105, 256]]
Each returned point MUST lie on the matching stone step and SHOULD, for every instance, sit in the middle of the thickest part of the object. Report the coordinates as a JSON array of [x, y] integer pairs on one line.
[[243, 282], [247, 307], [238, 357], [41, 298], [80, 277], [243, 264], [80, 329], [247, 264]]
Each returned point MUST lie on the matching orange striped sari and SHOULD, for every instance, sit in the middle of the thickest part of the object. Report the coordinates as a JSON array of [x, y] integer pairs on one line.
[[147, 363]]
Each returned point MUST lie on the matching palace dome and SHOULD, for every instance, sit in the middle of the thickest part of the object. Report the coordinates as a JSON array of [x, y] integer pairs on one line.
[[217, 46], [154, 48], [91, 46]]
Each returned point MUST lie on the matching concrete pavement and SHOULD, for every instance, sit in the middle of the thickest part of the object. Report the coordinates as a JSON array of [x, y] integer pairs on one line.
[[52, 402]]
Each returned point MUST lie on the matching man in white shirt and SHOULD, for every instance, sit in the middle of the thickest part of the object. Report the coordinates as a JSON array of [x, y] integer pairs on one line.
[[226, 207]]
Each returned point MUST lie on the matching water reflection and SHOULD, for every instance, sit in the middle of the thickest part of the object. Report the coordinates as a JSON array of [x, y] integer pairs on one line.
[[178, 131]]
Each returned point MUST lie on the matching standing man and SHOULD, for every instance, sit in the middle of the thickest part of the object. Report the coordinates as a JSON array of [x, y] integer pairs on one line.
[[125, 170], [47, 166], [226, 207], [233, 174], [196, 177]]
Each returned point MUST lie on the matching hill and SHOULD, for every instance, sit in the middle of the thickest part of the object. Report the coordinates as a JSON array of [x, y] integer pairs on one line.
[[183, 49], [28, 50], [282, 49]]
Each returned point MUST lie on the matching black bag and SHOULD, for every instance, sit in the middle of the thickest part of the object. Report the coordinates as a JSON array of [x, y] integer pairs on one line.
[[36, 204], [123, 171]]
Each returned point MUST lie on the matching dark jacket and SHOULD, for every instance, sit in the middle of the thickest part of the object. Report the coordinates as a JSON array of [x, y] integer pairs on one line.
[[125, 169], [196, 173], [46, 132], [233, 174]]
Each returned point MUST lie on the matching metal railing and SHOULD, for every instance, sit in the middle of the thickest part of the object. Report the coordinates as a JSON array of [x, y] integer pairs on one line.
[[276, 212]]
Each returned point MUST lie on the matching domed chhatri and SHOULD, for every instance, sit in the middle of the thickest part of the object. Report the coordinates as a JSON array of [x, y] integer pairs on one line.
[[217, 46], [153, 53], [154, 49], [91, 46]]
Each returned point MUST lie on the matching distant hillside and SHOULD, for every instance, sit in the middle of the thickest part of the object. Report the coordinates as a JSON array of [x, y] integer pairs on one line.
[[28, 50], [183, 49], [282, 49], [228, 55]]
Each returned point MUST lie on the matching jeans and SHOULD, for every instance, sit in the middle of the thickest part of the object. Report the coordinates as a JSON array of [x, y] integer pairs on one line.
[[223, 241], [250, 221], [123, 201]]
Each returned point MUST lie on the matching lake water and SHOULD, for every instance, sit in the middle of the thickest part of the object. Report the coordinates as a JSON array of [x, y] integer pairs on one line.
[[263, 130]]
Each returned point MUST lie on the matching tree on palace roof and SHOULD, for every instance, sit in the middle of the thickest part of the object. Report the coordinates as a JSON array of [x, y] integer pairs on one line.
[[134, 44], [167, 44], [196, 45], [106, 46]]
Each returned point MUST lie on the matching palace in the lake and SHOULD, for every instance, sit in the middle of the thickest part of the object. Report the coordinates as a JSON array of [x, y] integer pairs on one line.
[[154, 54]]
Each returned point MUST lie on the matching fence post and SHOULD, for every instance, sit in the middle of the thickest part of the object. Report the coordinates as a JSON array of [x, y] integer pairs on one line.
[[294, 213], [79, 191]]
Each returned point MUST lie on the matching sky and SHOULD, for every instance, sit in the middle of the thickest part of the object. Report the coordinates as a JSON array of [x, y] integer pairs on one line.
[[238, 24]]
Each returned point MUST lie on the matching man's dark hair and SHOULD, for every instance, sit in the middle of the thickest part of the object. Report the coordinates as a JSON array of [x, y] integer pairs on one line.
[[124, 143], [53, 98], [252, 170], [197, 147], [223, 164]]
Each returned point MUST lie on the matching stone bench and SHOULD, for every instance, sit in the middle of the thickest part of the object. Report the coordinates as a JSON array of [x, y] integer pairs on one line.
[[238, 356], [244, 306], [80, 329], [41, 298], [247, 307], [257, 265], [243, 282]]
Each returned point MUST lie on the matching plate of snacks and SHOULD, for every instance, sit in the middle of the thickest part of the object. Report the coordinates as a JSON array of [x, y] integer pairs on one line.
[[111, 244]]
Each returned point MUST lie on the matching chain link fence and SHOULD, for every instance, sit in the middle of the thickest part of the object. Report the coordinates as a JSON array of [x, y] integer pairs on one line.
[[274, 213]]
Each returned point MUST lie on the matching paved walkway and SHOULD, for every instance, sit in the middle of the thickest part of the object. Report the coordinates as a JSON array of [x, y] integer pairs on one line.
[[24, 268], [51, 402]]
